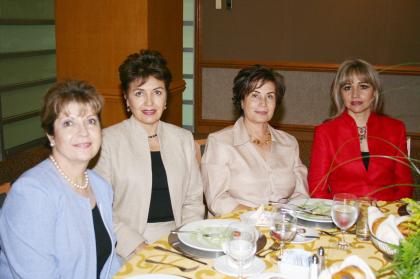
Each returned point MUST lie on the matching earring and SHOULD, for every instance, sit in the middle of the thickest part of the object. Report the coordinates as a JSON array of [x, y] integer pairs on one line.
[[52, 144], [128, 109]]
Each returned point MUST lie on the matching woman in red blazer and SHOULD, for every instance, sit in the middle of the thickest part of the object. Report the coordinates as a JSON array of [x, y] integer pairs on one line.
[[359, 151]]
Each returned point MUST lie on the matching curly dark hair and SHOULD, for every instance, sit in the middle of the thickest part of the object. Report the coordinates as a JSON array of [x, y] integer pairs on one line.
[[247, 80], [141, 65]]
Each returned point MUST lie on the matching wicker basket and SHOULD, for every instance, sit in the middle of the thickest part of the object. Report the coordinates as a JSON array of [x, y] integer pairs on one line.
[[386, 248]]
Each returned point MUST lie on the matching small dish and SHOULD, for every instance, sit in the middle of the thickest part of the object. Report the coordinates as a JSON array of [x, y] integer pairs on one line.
[[256, 267], [300, 237]]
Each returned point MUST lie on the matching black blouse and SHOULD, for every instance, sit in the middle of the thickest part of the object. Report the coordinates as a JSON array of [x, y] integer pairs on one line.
[[160, 209], [365, 158], [103, 242]]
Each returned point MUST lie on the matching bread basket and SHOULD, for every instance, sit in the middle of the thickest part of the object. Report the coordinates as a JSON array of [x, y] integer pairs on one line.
[[386, 248]]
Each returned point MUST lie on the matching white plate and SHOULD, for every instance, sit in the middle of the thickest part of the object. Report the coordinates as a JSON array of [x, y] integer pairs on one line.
[[221, 265], [249, 217], [300, 238], [308, 216], [154, 276], [203, 243]]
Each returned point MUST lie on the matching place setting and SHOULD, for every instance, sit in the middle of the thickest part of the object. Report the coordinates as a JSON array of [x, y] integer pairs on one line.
[[230, 242], [205, 238]]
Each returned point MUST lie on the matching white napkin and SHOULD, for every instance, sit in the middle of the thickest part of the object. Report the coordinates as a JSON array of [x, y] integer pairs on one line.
[[350, 260], [387, 230], [294, 263], [260, 217]]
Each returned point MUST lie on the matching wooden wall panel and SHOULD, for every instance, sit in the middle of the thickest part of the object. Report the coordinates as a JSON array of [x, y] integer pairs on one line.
[[328, 31], [165, 35], [94, 37]]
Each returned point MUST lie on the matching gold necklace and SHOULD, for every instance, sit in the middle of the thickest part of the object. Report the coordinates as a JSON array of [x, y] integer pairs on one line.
[[257, 141]]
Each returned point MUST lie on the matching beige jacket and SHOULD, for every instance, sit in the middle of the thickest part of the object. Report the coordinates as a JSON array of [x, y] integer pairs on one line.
[[235, 173], [126, 164]]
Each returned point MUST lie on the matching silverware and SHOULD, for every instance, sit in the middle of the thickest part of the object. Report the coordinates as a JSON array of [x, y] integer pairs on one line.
[[181, 268], [329, 233], [200, 233], [180, 254], [302, 231], [308, 236], [303, 210]]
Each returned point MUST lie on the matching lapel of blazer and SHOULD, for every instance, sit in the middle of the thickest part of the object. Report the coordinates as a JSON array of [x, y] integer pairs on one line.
[[376, 146], [349, 148], [137, 138]]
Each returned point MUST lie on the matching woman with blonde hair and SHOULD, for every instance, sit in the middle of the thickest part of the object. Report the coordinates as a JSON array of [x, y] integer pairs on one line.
[[359, 150]]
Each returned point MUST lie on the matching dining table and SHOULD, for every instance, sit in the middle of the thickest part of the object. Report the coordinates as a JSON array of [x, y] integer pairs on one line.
[[137, 265]]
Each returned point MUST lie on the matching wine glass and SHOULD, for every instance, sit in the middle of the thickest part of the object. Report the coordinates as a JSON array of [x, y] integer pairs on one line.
[[344, 212], [284, 227], [241, 244]]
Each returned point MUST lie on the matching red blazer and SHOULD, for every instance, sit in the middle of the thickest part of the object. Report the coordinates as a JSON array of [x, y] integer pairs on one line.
[[336, 147]]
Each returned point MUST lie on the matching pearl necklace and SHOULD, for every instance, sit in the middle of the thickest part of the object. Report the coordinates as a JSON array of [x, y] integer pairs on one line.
[[74, 184]]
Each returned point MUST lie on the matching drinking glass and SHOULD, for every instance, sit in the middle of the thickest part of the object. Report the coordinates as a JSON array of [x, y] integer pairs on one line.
[[344, 212], [241, 244], [362, 227], [284, 227]]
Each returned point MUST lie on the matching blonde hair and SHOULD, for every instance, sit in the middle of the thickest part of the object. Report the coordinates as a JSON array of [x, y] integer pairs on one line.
[[345, 72]]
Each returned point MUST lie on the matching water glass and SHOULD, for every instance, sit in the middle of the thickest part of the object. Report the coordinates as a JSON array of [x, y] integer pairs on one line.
[[241, 245], [344, 212], [284, 227]]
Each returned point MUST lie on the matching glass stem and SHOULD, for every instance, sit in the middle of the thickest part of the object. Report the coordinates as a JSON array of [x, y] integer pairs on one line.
[[281, 250], [240, 264], [343, 240]]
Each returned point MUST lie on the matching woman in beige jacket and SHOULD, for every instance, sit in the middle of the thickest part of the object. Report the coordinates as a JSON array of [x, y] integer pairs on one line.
[[252, 163], [150, 164]]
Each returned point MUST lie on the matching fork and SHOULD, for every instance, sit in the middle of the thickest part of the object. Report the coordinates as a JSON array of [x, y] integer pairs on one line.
[[195, 232], [181, 268]]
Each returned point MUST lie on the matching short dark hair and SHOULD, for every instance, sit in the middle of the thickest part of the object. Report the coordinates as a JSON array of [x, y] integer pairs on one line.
[[141, 65], [247, 80], [64, 92]]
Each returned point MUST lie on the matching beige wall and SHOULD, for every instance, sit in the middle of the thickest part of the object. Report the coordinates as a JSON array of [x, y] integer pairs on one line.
[[307, 99]]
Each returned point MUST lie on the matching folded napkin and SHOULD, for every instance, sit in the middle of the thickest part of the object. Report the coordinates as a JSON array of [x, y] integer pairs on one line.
[[260, 217], [387, 231], [295, 263], [350, 261]]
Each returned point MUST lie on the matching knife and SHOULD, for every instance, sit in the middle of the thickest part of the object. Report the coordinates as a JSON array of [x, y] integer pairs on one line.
[[179, 254]]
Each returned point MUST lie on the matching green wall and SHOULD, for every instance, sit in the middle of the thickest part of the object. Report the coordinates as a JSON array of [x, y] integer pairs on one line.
[[27, 69], [188, 65]]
